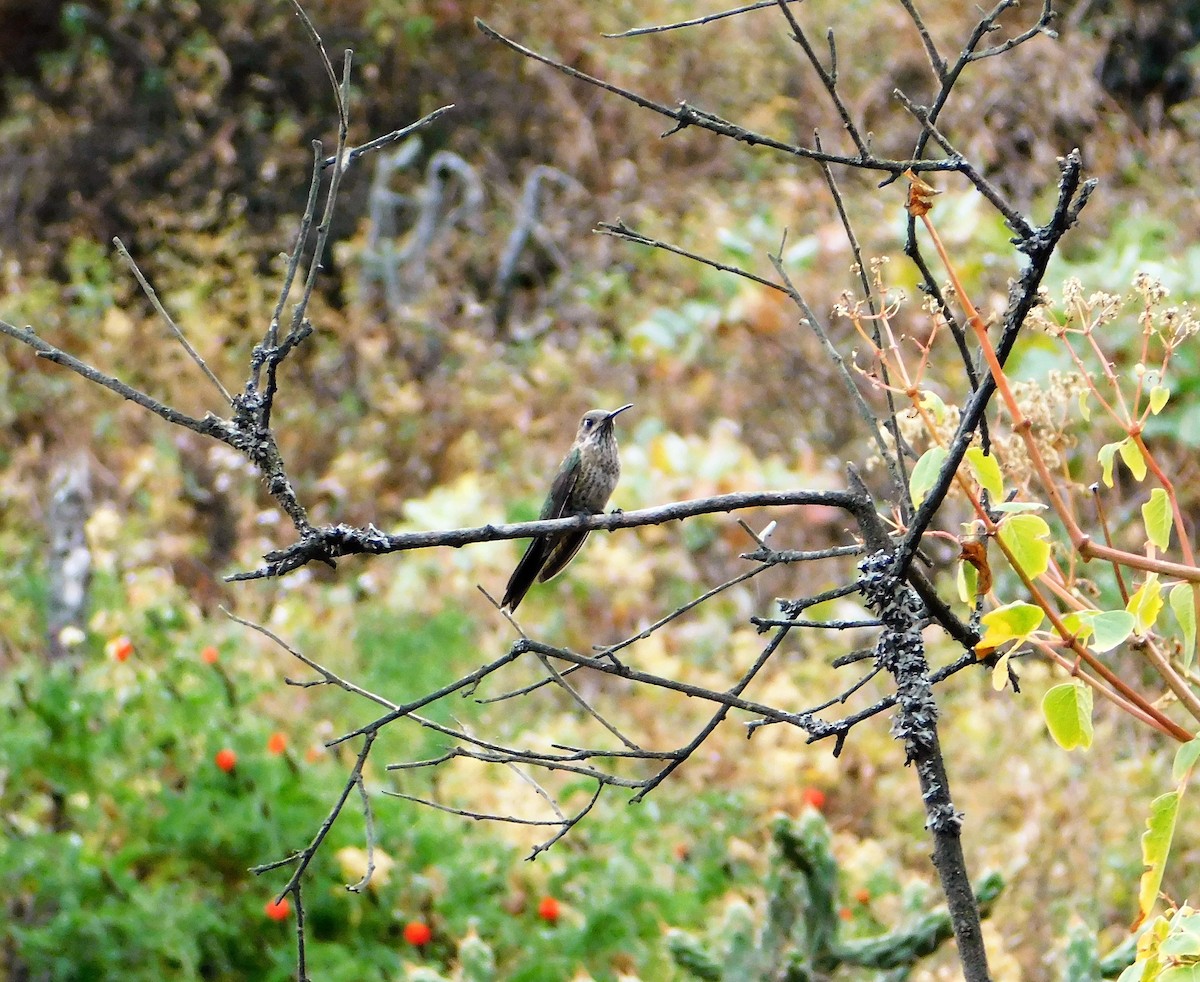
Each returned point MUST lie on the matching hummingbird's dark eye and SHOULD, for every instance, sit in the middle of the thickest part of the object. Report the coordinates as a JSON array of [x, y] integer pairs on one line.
[[587, 424]]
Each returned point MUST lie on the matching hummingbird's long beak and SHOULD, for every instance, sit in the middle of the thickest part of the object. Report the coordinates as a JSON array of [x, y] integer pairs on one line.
[[609, 418]]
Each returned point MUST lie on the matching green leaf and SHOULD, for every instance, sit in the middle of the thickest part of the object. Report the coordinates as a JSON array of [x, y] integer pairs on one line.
[[1025, 536], [1111, 628], [987, 472], [1183, 942], [1146, 603], [1131, 453], [1158, 398], [1084, 409], [1183, 603], [1068, 712], [1012, 622], [1105, 456], [1156, 515], [1156, 846], [924, 474], [1185, 759], [1079, 623]]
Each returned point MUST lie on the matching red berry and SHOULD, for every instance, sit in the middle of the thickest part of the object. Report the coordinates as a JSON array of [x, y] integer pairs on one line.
[[814, 798], [278, 911], [417, 933], [210, 655], [226, 759], [120, 648], [549, 909], [277, 743]]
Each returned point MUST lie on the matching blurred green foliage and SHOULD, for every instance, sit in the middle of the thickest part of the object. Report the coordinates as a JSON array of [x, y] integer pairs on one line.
[[128, 846]]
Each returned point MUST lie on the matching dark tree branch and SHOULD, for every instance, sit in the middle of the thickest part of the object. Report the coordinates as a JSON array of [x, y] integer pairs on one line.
[[331, 542], [1039, 247]]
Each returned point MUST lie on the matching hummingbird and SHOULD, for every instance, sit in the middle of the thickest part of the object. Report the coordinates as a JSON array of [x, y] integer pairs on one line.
[[584, 483]]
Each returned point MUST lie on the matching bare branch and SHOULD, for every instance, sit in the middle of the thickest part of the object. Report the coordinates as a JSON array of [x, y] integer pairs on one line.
[[685, 115], [1013, 217], [210, 425], [1041, 27], [333, 541]]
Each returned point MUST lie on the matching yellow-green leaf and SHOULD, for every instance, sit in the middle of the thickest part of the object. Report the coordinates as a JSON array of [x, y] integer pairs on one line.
[[1068, 712], [1025, 536], [1018, 507], [1185, 759], [1156, 846], [1084, 409], [967, 581], [1131, 453], [924, 474], [1183, 604], [987, 472], [1146, 603], [1079, 623], [1105, 456], [1000, 672], [933, 403], [1158, 398], [1012, 622], [1111, 628], [1156, 515]]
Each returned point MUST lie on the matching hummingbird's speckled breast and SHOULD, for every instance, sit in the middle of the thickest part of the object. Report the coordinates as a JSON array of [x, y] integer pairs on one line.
[[599, 471]]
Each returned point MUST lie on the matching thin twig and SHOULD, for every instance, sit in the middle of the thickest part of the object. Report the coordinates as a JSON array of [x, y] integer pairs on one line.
[[828, 80], [620, 230], [696, 21], [152, 296], [936, 61], [893, 462], [386, 140]]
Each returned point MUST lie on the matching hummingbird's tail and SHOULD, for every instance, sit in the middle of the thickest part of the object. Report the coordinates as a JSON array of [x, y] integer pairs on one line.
[[526, 572], [561, 553]]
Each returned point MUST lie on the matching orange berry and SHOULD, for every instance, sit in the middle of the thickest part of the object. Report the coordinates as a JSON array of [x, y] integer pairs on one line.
[[313, 754], [845, 914], [278, 911], [814, 798], [863, 896], [226, 759], [277, 743], [417, 933], [209, 655], [549, 909], [120, 648]]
